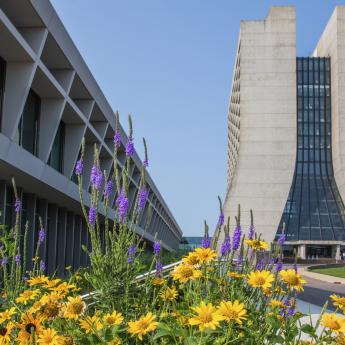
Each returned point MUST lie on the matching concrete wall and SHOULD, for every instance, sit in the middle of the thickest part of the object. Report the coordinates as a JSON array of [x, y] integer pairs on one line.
[[264, 111], [332, 43]]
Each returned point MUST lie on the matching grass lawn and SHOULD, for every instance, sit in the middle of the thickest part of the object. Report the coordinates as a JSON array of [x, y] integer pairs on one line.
[[334, 271]]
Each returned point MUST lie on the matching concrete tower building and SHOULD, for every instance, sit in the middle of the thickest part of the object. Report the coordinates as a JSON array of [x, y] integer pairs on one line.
[[286, 135]]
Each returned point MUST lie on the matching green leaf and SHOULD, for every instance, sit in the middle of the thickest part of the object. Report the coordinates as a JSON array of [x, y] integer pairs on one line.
[[308, 329], [276, 339], [108, 335]]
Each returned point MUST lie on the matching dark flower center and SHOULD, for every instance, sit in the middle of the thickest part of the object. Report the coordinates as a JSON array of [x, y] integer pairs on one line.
[[3, 331], [30, 327]]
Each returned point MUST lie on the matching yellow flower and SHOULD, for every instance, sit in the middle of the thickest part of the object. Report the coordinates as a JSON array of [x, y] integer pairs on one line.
[[207, 316], [169, 294], [184, 273], [27, 296], [74, 308], [275, 303], [63, 288], [205, 255], [235, 275], [66, 340], [48, 337], [338, 301], [233, 311], [156, 281], [143, 326], [267, 292], [116, 341], [39, 280], [292, 279], [261, 279], [7, 314], [5, 334], [341, 339], [114, 318], [333, 322], [52, 283], [191, 259], [257, 244], [91, 324], [27, 325]]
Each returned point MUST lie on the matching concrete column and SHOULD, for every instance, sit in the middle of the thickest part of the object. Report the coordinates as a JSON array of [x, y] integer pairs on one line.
[[52, 239], [301, 252], [61, 238], [337, 252]]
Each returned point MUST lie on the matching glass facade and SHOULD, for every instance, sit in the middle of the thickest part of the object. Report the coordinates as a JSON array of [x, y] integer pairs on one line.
[[314, 209], [56, 155], [27, 133]]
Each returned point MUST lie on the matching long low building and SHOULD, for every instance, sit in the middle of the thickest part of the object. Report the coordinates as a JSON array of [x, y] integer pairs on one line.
[[49, 101]]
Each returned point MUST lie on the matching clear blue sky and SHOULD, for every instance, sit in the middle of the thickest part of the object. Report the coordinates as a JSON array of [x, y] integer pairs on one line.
[[169, 63]]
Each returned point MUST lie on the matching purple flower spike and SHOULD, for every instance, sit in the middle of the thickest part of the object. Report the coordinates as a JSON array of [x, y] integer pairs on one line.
[[117, 139], [129, 148], [93, 176], [131, 253], [43, 266], [41, 235], [17, 206], [281, 239], [259, 265], [206, 243], [146, 163], [221, 219], [143, 195], [79, 167], [226, 246], [236, 239], [122, 205], [92, 216], [251, 232], [17, 259], [156, 248], [3, 261], [159, 268], [108, 189], [279, 266], [96, 177]]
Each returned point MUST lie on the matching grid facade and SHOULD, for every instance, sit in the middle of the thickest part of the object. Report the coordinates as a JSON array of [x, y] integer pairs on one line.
[[314, 209], [50, 101], [234, 119]]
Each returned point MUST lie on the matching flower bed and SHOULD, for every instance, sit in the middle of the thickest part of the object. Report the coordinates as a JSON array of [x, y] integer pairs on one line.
[[240, 296]]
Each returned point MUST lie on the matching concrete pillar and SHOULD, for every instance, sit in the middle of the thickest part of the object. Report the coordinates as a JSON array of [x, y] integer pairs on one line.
[[301, 252], [337, 252]]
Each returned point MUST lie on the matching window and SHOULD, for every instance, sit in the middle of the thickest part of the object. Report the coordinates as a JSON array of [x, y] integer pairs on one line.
[[2, 84], [56, 155], [27, 133]]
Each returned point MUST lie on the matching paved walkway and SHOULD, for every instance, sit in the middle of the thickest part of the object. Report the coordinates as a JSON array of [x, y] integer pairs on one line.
[[321, 277]]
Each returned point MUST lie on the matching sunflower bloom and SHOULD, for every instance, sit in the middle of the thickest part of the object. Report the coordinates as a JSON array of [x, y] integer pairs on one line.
[[63, 288], [191, 259], [276, 303], [292, 279], [205, 255], [261, 279], [39, 280], [337, 301], [48, 337], [207, 317], [156, 281], [114, 318], [91, 324], [235, 275], [169, 294], [7, 314], [5, 333], [184, 273], [52, 283], [333, 322], [74, 308], [233, 311], [27, 295], [143, 326], [257, 244], [27, 325]]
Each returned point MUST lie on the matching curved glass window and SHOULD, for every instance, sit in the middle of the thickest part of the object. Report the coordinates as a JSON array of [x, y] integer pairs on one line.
[[314, 209]]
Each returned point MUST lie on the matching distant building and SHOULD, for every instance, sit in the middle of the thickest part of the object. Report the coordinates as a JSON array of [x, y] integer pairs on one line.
[[286, 146], [190, 243], [49, 101]]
